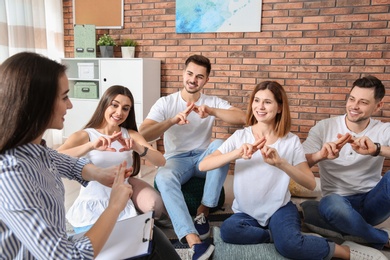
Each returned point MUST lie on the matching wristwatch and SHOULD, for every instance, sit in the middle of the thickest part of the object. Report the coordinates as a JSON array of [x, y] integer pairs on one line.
[[378, 149]]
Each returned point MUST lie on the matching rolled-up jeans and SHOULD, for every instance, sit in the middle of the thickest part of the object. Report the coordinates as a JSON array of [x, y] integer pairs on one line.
[[357, 214]]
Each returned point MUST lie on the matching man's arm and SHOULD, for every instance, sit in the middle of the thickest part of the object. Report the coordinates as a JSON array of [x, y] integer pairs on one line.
[[364, 145], [233, 115], [385, 152], [330, 150], [151, 130]]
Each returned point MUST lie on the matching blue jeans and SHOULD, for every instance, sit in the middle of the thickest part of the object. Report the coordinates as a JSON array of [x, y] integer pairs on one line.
[[357, 214], [284, 229], [177, 171]]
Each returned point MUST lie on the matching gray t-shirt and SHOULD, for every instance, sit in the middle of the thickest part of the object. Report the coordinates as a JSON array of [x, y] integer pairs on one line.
[[351, 173]]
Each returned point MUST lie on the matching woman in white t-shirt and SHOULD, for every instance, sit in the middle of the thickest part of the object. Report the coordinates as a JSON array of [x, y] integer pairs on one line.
[[109, 138], [266, 156]]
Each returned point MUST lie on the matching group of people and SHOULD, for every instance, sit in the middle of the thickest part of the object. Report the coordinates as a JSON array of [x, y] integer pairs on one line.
[[105, 158]]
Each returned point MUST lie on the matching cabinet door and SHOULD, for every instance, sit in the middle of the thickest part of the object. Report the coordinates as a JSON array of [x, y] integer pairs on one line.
[[77, 117], [127, 73]]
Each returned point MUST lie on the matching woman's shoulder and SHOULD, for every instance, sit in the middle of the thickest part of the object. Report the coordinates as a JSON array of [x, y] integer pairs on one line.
[[81, 135]]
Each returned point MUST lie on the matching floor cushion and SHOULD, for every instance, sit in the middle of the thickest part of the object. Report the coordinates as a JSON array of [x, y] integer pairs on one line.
[[193, 192], [225, 251], [297, 190]]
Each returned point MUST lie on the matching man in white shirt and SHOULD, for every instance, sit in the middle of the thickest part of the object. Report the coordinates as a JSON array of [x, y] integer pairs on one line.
[[350, 151], [186, 119]]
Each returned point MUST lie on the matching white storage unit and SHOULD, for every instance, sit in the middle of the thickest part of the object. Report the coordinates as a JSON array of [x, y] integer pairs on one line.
[[141, 76]]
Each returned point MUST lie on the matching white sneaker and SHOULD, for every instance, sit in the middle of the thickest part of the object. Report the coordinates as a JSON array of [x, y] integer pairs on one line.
[[311, 234], [388, 233], [359, 252]]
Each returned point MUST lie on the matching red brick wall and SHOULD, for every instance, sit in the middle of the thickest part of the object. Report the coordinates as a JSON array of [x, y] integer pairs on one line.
[[315, 49]]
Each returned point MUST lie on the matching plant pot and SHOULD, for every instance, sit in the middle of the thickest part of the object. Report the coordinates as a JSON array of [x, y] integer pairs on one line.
[[127, 51], [106, 51]]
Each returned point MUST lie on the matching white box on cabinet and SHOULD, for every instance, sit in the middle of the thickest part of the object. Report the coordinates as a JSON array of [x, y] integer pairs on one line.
[[141, 76], [86, 70]]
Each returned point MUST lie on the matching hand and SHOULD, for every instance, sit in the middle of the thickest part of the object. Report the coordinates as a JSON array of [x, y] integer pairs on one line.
[[121, 189], [127, 144], [363, 145], [181, 118], [202, 111], [106, 176], [271, 156], [103, 143], [247, 150], [331, 150]]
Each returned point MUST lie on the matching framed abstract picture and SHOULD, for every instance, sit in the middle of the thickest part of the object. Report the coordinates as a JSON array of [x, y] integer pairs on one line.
[[204, 16]]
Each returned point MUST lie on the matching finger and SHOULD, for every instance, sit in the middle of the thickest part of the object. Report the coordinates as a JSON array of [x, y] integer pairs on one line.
[[189, 108], [329, 150], [259, 142], [363, 144], [120, 176], [269, 152], [343, 139]]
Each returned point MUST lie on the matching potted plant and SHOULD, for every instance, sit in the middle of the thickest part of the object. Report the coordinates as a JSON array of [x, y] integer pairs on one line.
[[106, 44], [128, 48]]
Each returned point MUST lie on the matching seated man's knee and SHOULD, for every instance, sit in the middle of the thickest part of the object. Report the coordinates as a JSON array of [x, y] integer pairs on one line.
[[333, 205], [164, 179]]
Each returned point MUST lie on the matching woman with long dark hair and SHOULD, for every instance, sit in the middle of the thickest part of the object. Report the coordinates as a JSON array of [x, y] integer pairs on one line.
[[34, 98], [110, 137]]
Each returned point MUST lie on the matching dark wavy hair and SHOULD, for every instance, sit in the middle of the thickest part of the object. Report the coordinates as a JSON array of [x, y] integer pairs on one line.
[[28, 89], [371, 82], [283, 119], [97, 120], [201, 61]]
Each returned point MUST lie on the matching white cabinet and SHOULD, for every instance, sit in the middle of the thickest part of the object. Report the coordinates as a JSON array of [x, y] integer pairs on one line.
[[141, 76]]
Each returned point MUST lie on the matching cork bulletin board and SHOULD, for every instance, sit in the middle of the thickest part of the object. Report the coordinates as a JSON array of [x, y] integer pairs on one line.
[[104, 14]]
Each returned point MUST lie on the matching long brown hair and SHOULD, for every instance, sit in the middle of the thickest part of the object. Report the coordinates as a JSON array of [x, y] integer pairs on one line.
[[283, 119], [97, 119], [28, 89]]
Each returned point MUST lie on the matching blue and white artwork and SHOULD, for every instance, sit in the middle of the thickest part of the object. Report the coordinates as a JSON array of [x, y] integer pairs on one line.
[[201, 16]]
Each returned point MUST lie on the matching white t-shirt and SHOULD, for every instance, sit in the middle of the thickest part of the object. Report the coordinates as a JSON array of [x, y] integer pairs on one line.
[[351, 173], [260, 189], [93, 199], [183, 138]]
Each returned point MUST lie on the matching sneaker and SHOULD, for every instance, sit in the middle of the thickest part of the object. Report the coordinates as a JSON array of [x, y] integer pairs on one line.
[[388, 233], [200, 251], [359, 252], [202, 225], [311, 234]]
